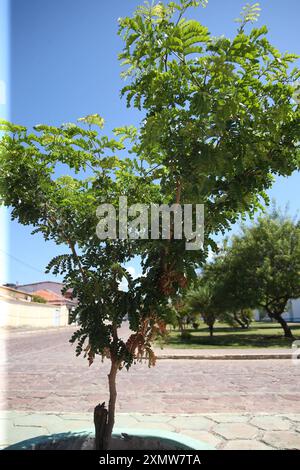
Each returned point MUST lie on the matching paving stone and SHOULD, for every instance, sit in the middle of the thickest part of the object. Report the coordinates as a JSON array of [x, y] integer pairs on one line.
[[228, 417], [230, 386], [191, 422], [157, 425], [39, 420], [20, 433], [126, 420], [6, 427], [72, 425], [80, 416], [204, 436], [3, 444], [293, 416], [152, 418], [5, 415], [283, 439], [11, 414], [236, 430], [246, 444], [271, 423]]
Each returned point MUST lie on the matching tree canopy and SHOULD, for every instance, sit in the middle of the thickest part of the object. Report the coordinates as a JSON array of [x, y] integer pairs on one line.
[[260, 269]]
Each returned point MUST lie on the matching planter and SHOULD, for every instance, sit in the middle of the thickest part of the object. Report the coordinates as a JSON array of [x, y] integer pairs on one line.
[[123, 439]]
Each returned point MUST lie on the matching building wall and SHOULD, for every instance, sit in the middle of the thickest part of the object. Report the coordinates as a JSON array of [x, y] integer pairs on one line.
[[7, 292], [292, 314], [17, 313]]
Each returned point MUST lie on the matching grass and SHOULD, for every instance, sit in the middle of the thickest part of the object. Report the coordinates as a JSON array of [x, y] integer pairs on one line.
[[259, 335]]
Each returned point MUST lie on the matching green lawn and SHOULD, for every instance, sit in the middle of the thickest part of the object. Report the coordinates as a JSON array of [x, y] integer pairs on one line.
[[259, 335]]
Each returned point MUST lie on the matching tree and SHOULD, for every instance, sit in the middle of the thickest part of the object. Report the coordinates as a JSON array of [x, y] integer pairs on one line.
[[220, 117], [242, 318], [63, 208], [261, 268], [38, 299], [181, 315], [202, 301], [218, 120]]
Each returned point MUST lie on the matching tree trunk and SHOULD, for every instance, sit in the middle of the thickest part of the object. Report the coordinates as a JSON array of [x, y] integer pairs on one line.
[[100, 421], [239, 322], [181, 327], [112, 404], [211, 330], [287, 331]]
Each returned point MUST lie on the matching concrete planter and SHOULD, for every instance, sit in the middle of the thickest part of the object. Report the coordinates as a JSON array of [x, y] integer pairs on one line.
[[123, 439]]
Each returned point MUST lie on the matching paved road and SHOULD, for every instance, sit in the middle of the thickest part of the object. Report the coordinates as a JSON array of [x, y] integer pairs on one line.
[[43, 374]]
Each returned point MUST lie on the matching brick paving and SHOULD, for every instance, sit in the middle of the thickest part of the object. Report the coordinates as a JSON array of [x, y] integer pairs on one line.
[[226, 402], [222, 431]]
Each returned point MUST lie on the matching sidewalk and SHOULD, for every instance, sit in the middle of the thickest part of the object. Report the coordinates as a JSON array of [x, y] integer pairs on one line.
[[221, 430]]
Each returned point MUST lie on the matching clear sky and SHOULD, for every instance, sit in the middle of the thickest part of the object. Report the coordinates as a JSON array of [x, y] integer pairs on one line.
[[64, 65]]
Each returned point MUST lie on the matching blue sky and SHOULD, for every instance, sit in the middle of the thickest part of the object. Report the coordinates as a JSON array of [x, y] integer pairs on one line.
[[63, 65]]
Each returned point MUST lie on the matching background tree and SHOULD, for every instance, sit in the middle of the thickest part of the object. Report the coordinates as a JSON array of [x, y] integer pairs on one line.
[[261, 268], [38, 299], [201, 301], [231, 299], [242, 318]]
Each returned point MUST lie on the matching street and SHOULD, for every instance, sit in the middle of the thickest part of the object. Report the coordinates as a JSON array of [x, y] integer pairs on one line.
[[42, 373]]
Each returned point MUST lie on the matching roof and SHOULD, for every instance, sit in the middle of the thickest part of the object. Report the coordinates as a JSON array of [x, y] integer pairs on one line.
[[48, 295], [19, 291], [52, 297], [40, 282]]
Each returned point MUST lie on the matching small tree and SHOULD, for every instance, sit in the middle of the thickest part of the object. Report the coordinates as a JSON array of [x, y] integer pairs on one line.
[[261, 268], [38, 299], [218, 121], [64, 209], [201, 301], [241, 318]]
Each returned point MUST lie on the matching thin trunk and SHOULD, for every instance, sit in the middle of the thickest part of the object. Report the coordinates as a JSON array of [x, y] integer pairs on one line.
[[211, 330], [181, 327], [239, 322], [287, 331], [112, 403]]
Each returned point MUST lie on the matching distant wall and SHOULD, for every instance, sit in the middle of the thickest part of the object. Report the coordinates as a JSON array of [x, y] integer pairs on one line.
[[292, 315], [19, 313], [15, 294]]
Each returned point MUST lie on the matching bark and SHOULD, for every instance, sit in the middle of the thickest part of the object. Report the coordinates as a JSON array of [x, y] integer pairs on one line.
[[112, 404], [100, 421], [239, 322], [243, 324], [287, 331], [181, 326]]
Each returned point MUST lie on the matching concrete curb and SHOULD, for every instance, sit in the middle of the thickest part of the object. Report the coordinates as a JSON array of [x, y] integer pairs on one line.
[[181, 441], [216, 357]]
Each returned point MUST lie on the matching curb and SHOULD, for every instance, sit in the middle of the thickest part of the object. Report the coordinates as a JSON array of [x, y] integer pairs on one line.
[[178, 440], [226, 357]]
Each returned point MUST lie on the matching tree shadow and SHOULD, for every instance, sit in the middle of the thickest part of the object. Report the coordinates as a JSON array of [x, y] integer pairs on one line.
[[235, 337]]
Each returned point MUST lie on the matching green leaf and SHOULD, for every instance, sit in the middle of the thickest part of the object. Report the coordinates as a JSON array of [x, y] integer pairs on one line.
[[93, 119]]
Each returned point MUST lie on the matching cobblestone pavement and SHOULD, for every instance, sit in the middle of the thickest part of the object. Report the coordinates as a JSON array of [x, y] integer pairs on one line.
[[43, 374], [40, 373], [220, 430]]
